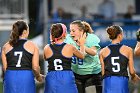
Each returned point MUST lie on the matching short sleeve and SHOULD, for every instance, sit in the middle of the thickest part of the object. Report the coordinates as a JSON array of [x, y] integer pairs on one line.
[[93, 40]]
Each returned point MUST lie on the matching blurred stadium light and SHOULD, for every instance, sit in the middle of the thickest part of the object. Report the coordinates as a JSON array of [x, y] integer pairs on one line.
[[11, 10]]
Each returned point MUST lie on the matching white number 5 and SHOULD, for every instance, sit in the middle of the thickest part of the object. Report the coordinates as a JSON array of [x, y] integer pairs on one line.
[[19, 58], [115, 64]]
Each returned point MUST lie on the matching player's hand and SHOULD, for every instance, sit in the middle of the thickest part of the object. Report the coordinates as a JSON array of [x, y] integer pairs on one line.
[[138, 35], [40, 78], [135, 79], [82, 39]]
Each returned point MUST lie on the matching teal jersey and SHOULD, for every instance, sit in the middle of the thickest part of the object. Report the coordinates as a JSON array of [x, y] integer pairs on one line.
[[90, 64]]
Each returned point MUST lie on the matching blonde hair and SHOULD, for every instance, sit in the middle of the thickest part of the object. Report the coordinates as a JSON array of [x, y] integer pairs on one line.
[[83, 26]]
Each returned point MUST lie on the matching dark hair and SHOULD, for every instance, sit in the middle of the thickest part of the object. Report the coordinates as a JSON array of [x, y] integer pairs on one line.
[[17, 30], [113, 31], [83, 26], [56, 31]]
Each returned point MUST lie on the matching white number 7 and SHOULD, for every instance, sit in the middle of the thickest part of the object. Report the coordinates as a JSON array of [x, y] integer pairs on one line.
[[19, 58]]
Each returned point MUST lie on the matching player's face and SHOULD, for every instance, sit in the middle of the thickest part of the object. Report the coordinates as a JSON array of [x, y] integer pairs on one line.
[[75, 32], [27, 31], [121, 36]]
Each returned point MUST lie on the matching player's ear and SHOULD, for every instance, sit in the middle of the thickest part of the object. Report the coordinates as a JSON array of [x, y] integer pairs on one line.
[[120, 35], [24, 32]]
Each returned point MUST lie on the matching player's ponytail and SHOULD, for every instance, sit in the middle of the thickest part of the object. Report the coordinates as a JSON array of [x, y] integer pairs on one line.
[[87, 27], [17, 30]]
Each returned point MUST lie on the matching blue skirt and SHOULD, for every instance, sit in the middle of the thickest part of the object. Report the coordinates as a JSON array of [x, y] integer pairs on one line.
[[19, 81], [60, 82], [115, 84]]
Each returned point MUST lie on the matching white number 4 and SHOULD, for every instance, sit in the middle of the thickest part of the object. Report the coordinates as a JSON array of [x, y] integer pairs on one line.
[[19, 58], [115, 64]]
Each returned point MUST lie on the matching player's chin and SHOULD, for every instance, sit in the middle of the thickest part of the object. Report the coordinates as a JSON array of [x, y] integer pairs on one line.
[[75, 39]]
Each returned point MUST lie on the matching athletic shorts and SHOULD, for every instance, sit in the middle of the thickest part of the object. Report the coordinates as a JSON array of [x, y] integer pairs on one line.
[[89, 80], [60, 82], [19, 81], [115, 84]]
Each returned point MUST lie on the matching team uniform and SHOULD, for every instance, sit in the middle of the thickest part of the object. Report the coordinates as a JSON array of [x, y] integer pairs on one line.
[[60, 78], [19, 77], [87, 70], [116, 75]]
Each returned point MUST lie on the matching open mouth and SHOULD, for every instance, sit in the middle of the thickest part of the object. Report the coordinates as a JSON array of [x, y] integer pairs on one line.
[[72, 36]]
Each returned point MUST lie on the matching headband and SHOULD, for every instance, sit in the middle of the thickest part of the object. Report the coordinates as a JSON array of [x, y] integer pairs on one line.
[[64, 28]]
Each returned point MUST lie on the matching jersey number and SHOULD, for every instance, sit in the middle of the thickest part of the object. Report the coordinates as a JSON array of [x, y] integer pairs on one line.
[[116, 64], [19, 54], [75, 59], [57, 64]]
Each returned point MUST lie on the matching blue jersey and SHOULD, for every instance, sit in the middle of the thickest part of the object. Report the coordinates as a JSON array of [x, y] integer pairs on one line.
[[19, 77], [115, 63], [19, 58], [57, 61], [60, 78], [116, 75]]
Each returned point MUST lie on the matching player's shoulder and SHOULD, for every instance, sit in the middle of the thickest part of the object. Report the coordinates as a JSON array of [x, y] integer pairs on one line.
[[70, 46], [104, 50], [6, 44], [93, 37], [31, 43], [47, 46], [6, 47], [67, 45], [125, 47]]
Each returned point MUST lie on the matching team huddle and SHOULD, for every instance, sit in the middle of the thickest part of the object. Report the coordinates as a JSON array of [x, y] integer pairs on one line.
[[76, 61]]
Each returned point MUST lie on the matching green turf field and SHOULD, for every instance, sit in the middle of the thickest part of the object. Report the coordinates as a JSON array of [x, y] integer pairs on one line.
[[0, 87]]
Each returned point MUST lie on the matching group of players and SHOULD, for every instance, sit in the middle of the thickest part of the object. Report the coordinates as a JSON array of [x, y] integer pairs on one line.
[[75, 63]]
